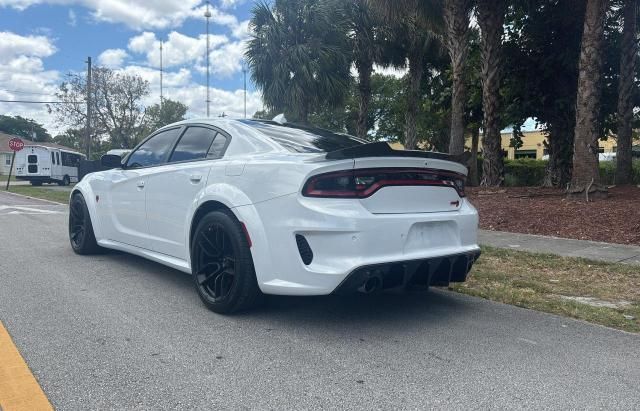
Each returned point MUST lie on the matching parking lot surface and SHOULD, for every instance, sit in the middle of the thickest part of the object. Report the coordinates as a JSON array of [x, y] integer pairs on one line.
[[118, 332]]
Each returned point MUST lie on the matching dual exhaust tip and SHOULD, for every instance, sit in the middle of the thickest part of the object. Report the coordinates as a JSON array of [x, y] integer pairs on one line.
[[372, 284]]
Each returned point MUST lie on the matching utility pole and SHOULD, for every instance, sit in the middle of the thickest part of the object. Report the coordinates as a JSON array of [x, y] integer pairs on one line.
[[88, 126], [244, 73], [161, 97], [207, 16]]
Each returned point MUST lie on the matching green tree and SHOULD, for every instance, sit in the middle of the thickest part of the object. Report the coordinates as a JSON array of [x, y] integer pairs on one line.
[[299, 55], [456, 15], [116, 99], [72, 138], [414, 25], [159, 115], [24, 127], [541, 50], [585, 178], [626, 91], [365, 32], [490, 14]]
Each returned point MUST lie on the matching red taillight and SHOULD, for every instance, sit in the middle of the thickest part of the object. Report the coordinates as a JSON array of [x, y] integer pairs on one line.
[[362, 183]]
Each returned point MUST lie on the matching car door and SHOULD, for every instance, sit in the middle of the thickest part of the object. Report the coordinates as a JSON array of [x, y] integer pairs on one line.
[[126, 219], [172, 191]]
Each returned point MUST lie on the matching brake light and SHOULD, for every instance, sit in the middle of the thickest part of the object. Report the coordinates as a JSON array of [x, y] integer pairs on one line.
[[362, 183]]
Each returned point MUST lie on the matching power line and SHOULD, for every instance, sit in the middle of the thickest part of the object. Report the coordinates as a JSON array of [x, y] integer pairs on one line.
[[41, 102], [25, 92]]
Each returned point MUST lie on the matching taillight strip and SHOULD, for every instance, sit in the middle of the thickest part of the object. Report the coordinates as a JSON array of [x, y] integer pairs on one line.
[[310, 190]]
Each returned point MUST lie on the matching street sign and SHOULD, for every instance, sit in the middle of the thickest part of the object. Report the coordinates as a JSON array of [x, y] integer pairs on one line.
[[16, 144]]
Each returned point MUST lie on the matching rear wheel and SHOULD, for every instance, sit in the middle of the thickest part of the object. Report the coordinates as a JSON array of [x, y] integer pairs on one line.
[[81, 236], [222, 266], [36, 183], [65, 181]]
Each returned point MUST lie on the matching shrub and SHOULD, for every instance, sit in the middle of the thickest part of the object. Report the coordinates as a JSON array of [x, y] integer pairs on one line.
[[524, 172], [529, 172]]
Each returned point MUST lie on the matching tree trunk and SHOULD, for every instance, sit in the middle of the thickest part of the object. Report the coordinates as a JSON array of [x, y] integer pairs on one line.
[[560, 148], [364, 88], [490, 15], [456, 17], [585, 179], [413, 99], [473, 179], [628, 51]]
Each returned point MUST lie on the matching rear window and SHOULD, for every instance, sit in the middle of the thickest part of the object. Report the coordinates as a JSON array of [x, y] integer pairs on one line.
[[302, 139]]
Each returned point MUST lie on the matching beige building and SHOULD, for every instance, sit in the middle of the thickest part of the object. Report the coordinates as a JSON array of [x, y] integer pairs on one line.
[[533, 145]]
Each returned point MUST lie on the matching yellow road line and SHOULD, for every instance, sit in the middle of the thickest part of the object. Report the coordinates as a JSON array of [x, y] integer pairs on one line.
[[19, 389]]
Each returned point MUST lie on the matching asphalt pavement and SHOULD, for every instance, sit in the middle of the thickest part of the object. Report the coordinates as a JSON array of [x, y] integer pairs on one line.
[[115, 331]]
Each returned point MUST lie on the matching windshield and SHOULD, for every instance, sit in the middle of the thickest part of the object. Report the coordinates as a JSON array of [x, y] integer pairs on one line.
[[303, 139]]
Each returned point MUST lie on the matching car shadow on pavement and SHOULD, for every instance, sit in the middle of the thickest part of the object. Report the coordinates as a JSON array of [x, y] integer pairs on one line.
[[387, 309], [383, 309]]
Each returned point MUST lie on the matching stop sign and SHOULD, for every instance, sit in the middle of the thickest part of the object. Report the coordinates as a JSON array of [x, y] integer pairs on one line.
[[16, 144]]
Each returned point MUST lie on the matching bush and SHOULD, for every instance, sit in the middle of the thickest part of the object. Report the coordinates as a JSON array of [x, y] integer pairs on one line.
[[524, 172], [530, 172]]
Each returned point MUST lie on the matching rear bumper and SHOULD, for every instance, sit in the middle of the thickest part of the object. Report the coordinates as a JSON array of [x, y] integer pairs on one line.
[[401, 274], [343, 238]]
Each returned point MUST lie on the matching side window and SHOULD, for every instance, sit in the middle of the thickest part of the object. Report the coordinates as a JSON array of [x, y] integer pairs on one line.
[[193, 145], [57, 158], [154, 151], [218, 146], [53, 158]]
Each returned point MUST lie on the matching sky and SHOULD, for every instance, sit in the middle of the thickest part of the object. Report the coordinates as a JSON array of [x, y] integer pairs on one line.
[[42, 41]]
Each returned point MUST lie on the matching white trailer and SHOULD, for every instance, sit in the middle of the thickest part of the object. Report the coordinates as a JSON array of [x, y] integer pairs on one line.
[[42, 164]]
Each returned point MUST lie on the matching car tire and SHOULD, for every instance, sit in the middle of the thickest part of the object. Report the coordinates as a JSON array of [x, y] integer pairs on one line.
[[65, 181], [81, 235], [36, 183], [222, 265]]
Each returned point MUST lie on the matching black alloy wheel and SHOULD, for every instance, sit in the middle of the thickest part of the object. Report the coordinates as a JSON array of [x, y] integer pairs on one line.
[[222, 265], [81, 236]]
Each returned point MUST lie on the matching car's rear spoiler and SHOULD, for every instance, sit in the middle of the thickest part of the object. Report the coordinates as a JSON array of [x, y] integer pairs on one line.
[[382, 149]]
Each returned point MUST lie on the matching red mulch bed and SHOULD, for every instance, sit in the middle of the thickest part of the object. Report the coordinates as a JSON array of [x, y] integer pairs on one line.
[[545, 211]]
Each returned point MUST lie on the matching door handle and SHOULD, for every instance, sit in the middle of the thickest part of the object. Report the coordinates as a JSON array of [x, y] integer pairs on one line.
[[195, 178], [140, 184]]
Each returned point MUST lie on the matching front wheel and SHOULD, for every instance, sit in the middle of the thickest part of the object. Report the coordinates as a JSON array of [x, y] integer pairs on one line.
[[65, 181], [81, 236], [222, 265]]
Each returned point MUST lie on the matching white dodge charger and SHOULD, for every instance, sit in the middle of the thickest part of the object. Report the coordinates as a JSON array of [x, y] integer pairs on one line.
[[251, 207]]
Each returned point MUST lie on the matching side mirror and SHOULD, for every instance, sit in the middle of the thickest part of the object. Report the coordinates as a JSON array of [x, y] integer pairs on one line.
[[110, 161]]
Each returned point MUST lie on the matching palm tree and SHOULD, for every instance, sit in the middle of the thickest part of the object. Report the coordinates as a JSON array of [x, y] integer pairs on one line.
[[364, 32], [299, 55], [628, 52], [413, 27], [456, 18], [585, 179], [490, 14]]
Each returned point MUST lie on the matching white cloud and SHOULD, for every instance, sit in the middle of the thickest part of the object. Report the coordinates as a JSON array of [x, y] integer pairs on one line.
[[112, 58], [73, 20], [23, 77], [138, 14], [179, 86], [230, 3], [227, 59], [178, 49], [12, 45]]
